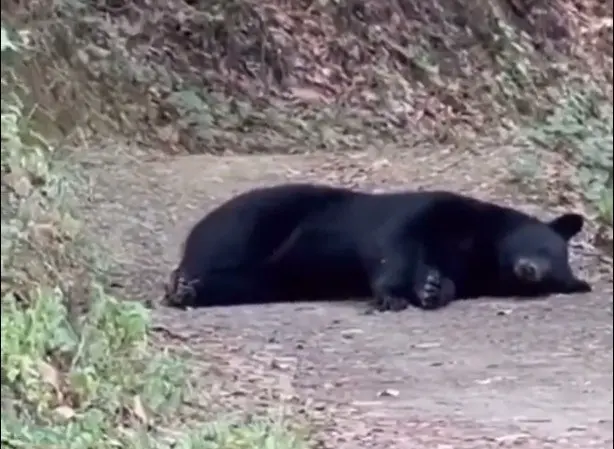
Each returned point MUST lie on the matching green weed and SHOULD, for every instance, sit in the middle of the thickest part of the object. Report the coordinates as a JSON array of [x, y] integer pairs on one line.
[[78, 370]]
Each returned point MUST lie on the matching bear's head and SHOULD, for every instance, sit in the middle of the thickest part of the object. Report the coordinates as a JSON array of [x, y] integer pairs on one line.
[[534, 257]]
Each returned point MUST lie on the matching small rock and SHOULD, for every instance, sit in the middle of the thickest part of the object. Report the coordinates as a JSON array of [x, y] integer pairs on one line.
[[388, 392], [320, 406], [577, 429], [273, 339], [349, 333], [514, 438], [427, 345], [276, 364]]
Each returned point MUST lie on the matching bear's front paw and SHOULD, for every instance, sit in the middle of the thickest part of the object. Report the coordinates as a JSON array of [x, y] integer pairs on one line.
[[436, 292], [385, 303]]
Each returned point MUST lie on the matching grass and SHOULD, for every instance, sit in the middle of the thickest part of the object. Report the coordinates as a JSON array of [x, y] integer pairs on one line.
[[78, 369]]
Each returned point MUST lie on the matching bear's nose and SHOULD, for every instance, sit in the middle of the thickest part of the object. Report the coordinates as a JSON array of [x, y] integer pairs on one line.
[[527, 270]]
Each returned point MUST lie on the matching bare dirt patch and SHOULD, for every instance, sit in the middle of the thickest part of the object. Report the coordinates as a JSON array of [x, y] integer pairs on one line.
[[479, 374]]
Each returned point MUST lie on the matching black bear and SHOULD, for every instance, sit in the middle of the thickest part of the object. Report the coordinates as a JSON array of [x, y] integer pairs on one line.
[[303, 241]]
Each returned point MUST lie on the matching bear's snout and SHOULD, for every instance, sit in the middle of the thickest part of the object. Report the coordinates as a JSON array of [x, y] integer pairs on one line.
[[530, 270]]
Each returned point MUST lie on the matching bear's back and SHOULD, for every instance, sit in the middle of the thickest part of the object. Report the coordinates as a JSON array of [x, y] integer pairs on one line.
[[250, 226]]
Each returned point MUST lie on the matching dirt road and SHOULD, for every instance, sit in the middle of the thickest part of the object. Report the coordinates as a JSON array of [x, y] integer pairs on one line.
[[479, 374]]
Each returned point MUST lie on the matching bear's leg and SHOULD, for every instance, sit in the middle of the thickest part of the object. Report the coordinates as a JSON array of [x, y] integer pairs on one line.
[[239, 288], [224, 289], [404, 275]]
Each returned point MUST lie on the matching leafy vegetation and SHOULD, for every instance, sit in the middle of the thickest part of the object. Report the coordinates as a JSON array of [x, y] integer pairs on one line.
[[78, 370], [581, 127]]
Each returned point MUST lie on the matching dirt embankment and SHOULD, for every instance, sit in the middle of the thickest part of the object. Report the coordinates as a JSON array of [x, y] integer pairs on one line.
[[285, 76], [442, 69]]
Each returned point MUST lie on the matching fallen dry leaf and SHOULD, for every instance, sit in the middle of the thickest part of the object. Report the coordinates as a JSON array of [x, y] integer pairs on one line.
[[19, 182], [168, 133], [308, 95], [139, 410], [65, 412], [49, 374]]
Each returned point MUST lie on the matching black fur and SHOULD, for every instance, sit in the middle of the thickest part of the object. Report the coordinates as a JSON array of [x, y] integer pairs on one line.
[[302, 241]]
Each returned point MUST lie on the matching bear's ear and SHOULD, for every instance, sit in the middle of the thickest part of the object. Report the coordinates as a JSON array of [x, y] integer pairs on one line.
[[567, 225]]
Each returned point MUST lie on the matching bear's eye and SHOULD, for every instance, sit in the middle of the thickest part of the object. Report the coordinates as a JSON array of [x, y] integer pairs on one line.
[[543, 251], [551, 253]]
